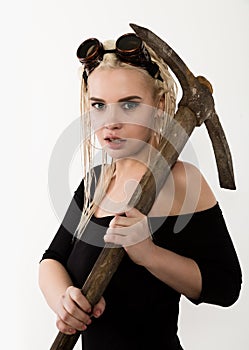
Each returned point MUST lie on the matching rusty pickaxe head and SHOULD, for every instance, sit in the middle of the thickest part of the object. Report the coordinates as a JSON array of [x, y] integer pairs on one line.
[[197, 96]]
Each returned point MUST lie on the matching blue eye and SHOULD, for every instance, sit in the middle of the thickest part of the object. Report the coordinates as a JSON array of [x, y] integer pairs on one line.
[[129, 105], [98, 105]]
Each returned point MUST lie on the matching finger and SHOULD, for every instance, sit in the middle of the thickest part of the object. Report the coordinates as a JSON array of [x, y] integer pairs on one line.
[[99, 308], [73, 315], [64, 328], [74, 308], [118, 221], [67, 321], [122, 221], [115, 239], [119, 231], [127, 236], [79, 299], [134, 213]]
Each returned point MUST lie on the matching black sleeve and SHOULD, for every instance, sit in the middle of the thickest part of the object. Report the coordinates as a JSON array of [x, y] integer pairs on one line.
[[204, 237], [62, 244], [208, 242]]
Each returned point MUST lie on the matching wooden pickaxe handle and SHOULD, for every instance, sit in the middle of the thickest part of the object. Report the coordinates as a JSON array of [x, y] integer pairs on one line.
[[143, 198], [196, 107]]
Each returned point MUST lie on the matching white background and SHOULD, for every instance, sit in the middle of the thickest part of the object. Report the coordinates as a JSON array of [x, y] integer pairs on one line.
[[40, 98]]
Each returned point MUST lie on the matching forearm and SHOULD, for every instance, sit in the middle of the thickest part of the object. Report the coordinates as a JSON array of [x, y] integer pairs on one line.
[[53, 281], [180, 273]]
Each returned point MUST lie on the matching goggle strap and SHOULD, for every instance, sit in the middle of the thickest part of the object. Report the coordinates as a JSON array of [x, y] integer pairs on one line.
[[110, 51], [85, 77], [155, 71]]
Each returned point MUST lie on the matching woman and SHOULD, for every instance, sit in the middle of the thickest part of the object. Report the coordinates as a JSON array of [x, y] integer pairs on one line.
[[181, 248]]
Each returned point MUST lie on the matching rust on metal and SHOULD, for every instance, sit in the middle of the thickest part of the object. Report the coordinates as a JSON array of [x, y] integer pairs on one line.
[[197, 96]]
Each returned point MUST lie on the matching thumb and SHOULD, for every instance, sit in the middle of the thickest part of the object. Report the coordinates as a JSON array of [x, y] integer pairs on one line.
[[133, 213]]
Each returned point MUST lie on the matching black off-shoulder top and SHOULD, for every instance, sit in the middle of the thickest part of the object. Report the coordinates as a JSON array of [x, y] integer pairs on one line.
[[142, 311]]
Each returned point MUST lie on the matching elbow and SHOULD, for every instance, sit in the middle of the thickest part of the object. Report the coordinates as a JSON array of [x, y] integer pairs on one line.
[[232, 288], [228, 301], [231, 295], [219, 291], [44, 271]]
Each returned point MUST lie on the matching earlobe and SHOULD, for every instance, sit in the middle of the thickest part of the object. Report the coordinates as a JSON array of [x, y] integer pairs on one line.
[[161, 106], [155, 135], [157, 122]]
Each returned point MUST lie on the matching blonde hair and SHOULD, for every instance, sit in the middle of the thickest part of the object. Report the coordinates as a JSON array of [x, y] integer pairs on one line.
[[166, 89]]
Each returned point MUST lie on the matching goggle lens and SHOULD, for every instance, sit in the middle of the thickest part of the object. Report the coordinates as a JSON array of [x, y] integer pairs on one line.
[[88, 50], [128, 43]]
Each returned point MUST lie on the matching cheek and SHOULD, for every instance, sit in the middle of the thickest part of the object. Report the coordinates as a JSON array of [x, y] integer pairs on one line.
[[99, 135], [138, 132]]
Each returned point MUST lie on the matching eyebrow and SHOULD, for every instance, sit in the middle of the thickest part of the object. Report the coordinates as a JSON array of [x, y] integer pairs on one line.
[[127, 98]]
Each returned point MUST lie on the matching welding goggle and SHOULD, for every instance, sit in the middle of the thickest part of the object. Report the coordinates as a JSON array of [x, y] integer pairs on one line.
[[129, 49]]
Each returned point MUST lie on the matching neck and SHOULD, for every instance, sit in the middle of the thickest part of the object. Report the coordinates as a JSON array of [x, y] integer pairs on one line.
[[136, 165], [129, 169]]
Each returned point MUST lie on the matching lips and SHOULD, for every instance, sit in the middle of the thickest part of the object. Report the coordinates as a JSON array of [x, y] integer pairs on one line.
[[114, 141], [117, 141]]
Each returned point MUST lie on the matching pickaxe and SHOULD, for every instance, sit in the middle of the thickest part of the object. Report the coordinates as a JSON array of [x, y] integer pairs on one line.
[[195, 107]]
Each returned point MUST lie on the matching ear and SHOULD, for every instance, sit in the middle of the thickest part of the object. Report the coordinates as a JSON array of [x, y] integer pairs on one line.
[[161, 106]]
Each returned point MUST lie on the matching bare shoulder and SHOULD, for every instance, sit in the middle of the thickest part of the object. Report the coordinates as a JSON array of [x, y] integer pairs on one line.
[[191, 191]]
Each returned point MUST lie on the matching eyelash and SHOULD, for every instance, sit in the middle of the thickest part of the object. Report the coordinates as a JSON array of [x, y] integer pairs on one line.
[[130, 104], [96, 104]]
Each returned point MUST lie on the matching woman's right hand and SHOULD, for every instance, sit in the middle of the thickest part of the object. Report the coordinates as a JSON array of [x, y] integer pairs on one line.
[[74, 311]]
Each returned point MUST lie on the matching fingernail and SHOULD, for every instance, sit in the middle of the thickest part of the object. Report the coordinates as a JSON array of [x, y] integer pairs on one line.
[[84, 327], [71, 330], [97, 313]]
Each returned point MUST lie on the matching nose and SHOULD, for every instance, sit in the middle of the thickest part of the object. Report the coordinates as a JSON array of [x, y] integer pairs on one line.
[[113, 118], [113, 126]]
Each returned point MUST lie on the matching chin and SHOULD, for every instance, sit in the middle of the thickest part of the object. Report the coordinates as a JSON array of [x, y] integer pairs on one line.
[[139, 152]]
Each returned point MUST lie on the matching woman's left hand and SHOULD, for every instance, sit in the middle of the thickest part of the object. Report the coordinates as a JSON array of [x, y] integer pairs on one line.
[[133, 233]]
